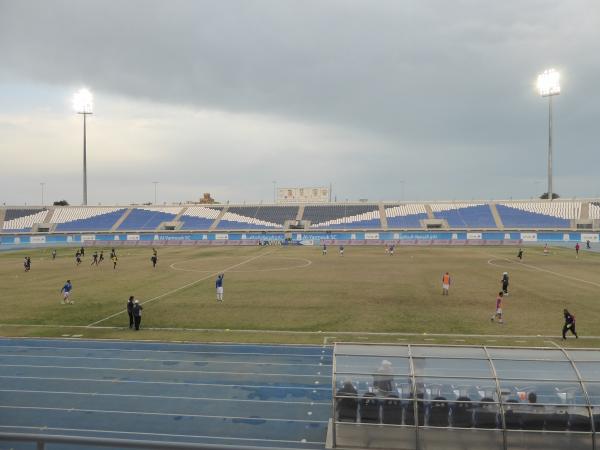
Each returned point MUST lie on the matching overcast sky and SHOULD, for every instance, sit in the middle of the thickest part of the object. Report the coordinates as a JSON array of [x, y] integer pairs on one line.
[[416, 98]]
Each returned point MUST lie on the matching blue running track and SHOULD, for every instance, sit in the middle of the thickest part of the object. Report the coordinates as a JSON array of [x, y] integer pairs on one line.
[[237, 394]]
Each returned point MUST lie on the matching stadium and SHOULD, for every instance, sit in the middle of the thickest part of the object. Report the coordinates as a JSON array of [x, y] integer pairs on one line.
[[303, 322]]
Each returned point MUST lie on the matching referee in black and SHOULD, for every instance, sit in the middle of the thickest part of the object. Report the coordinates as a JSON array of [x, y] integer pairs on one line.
[[569, 324]]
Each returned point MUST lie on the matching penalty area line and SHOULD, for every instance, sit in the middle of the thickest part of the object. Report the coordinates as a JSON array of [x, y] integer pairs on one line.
[[185, 286], [540, 269]]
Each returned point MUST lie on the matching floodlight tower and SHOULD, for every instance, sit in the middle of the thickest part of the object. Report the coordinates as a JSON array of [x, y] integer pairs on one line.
[[548, 84], [83, 103]]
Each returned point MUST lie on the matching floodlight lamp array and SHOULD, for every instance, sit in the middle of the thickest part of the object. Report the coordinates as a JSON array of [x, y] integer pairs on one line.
[[548, 83], [83, 101]]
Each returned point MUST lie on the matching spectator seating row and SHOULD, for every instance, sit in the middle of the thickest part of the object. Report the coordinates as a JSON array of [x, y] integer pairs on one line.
[[85, 218], [343, 216], [199, 217], [473, 215], [538, 214], [22, 220], [460, 412], [244, 217], [148, 218], [595, 210], [464, 215], [406, 215]]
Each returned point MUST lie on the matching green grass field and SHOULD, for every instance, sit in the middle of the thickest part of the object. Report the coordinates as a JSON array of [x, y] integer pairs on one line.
[[294, 294]]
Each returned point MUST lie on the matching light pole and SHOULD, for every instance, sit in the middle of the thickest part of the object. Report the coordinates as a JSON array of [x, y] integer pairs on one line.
[[83, 103], [548, 84], [42, 185], [274, 191], [155, 184]]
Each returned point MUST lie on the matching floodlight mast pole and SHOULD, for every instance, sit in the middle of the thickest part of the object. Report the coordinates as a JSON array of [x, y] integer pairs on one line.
[[84, 157], [550, 191], [549, 86], [83, 104]]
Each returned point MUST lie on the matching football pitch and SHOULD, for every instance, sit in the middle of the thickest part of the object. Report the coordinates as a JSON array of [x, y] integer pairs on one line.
[[281, 294]]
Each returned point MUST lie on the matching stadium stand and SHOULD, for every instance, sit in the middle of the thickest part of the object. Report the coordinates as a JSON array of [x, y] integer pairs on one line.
[[595, 210], [464, 215], [149, 218], [85, 218], [343, 216], [23, 219], [199, 217], [538, 214], [406, 215], [244, 217]]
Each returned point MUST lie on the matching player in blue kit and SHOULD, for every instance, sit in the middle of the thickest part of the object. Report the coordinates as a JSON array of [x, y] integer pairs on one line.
[[219, 286], [66, 292]]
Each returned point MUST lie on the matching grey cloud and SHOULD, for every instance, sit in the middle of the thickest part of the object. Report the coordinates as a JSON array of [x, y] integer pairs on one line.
[[448, 81]]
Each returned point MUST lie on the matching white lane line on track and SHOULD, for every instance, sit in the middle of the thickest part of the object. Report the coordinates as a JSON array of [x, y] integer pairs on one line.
[[151, 360], [540, 269], [126, 369], [98, 394], [144, 413], [306, 263], [168, 383], [185, 286], [163, 351], [134, 433]]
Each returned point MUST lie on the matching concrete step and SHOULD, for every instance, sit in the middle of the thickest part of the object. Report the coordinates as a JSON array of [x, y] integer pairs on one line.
[[218, 219], [121, 219], [429, 212], [496, 216], [585, 211], [382, 216]]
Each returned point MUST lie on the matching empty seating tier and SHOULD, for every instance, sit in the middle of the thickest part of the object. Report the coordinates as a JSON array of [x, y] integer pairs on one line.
[[256, 217], [149, 218], [86, 218], [595, 210], [343, 216], [406, 215], [23, 219], [199, 217], [464, 215], [548, 214]]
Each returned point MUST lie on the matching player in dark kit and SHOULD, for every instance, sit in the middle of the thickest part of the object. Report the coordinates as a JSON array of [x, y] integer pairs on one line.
[[27, 264], [505, 283], [95, 258], [569, 325], [520, 254], [101, 257], [130, 310], [53, 254], [154, 259], [78, 258], [577, 250]]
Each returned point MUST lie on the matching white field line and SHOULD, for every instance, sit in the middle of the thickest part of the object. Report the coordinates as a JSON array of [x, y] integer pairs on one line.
[[98, 394], [132, 369], [185, 286], [321, 333], [144, 413], [306, 263], [134, 433], [540, 269], [167, 383], [153, 360], [117, 349]]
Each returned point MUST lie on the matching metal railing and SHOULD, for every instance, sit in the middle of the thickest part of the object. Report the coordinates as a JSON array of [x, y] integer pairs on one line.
[[41, 440]]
